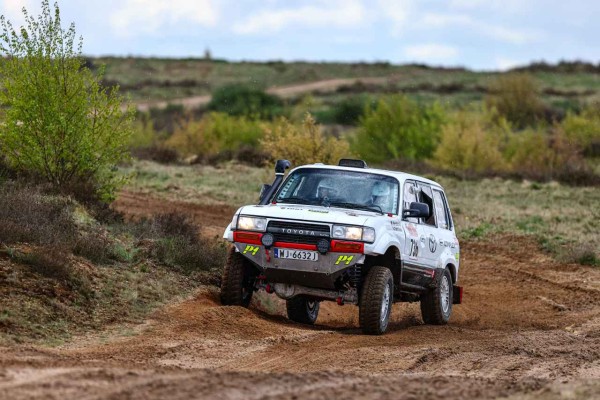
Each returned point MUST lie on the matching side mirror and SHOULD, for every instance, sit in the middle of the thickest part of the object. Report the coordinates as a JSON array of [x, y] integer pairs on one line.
[[416, 210], [264, 190]]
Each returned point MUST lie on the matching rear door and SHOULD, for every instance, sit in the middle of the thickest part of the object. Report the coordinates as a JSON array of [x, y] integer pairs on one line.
[[429, 236]]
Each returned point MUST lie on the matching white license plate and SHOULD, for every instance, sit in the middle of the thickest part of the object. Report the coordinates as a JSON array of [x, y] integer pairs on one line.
[[297, 254]]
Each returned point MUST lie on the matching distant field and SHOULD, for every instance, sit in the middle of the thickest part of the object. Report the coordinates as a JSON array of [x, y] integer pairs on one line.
[[150, 79]]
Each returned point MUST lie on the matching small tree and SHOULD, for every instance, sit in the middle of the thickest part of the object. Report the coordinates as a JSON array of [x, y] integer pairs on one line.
[[59, 122]]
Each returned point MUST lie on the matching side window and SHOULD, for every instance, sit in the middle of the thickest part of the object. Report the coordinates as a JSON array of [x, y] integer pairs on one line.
[[440, 210], [409, 196], [426, 196]]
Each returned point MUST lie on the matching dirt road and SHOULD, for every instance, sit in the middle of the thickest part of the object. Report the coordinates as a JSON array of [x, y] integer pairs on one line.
[[324, 86], [529, 328]]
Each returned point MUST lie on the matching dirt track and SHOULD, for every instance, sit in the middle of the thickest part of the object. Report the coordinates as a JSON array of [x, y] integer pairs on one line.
[[324, 86], [529, 328]]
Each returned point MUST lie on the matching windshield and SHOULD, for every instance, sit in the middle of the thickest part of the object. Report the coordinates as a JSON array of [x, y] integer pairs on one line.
[[339, 188]]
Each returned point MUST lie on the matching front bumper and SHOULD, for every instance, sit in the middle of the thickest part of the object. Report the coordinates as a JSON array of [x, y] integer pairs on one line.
[[322, 273]]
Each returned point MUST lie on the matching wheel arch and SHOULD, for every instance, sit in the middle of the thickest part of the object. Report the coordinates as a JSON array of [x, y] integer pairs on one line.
[[453, 272]]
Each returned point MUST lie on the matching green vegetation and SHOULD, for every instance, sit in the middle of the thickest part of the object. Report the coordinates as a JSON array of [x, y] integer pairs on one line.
[[399, 128], [59, 123], [516, 98], [303, 143], [243, 100]]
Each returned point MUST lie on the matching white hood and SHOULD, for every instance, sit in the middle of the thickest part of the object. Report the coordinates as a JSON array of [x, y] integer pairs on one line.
[[306, 213]]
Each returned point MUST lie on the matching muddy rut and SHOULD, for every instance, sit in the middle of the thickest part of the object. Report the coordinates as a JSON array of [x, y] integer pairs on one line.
[[529, 328]]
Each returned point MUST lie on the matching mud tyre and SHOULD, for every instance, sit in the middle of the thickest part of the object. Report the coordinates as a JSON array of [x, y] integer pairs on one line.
[[376, 301], [237, 281], [303, 310], [436, 304]]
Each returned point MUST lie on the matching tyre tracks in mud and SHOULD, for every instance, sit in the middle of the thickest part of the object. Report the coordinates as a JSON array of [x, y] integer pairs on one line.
[[506, 340]]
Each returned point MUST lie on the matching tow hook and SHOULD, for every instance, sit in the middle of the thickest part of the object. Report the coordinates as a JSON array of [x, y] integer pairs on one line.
[[340, 301]]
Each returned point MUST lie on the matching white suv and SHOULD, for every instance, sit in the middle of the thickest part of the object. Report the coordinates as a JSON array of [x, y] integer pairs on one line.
[[349, 234]]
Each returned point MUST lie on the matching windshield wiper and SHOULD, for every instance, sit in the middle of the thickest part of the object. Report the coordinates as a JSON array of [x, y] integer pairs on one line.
[[355, 206], [296, 200]]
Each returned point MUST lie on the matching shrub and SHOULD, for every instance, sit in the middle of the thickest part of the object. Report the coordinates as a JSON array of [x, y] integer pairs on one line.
[[398, 128], [245, 100], [350, 110], [469, 146], [157, 153], [59, 122], [28, 216], [303, 143], [515, 97], [176, 242], [213, 134], [583, 129]]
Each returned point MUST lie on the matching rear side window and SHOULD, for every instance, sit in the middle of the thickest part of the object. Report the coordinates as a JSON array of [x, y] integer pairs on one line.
[[442, 211]]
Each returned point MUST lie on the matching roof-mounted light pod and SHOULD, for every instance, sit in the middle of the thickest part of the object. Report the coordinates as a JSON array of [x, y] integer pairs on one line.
[[348, 162]]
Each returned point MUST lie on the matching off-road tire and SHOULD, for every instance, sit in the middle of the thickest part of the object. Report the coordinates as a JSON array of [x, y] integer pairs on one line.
[[303, 310], [432, 304], [371, 307], [237, 282]]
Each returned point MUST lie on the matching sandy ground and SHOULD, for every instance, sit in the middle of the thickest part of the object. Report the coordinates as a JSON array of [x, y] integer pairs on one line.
[[529, 328]]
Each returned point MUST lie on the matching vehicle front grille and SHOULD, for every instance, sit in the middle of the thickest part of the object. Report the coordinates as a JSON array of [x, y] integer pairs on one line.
[[298, 232]]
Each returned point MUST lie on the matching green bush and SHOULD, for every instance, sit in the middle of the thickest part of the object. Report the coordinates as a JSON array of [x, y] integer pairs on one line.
[[516, 97], [470, 145], [350, 110], [215, 134], [584, 129], [59, 122], [399, 128], [245, 100], [303, 143]]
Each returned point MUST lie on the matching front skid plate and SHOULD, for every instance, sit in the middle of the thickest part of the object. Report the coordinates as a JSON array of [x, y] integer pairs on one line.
[[328, 264]]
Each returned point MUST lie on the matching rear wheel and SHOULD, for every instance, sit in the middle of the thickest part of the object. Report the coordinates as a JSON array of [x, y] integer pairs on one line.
[[303, 310], [376, 301], [436, 304], [237, 282]]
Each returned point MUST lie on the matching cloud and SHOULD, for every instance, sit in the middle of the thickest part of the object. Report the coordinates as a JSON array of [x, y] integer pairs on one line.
[[12, 10], [398, 11], [504, 64], [498, 32], [431, 52], [151, 16], [338, 13]]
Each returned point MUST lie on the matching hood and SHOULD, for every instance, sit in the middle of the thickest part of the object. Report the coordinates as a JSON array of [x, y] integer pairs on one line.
[[306, 213]]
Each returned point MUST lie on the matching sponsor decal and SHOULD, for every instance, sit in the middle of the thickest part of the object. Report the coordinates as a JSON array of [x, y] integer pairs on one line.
[[456, 255], [412, 230], [319, 211], [346, 259], [251, 249]]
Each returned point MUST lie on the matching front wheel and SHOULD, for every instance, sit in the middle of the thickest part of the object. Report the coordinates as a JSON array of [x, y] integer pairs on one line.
[[436, 304], [237, 282], [376, 301], [303, 310]]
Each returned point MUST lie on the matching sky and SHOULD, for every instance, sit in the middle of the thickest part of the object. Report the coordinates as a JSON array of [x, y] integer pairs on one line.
[[476, 34]]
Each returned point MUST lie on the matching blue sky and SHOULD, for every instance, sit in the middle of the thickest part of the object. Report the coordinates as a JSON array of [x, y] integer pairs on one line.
[[478, 34]]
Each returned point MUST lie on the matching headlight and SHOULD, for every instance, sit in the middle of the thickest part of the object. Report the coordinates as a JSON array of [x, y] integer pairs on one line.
[[252, 224], [354, 233]]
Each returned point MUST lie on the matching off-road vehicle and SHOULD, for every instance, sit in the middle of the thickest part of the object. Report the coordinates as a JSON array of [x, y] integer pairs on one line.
[[350, 234]]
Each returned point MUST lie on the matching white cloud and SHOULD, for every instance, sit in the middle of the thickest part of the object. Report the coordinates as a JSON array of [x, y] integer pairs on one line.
[[431, 52], [398, 11], [150, 16], [12, 10], [331, 13], [498, 32], [504, 64]]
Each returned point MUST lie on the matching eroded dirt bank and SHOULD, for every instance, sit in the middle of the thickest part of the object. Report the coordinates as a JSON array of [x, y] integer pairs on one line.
[[529, 328]]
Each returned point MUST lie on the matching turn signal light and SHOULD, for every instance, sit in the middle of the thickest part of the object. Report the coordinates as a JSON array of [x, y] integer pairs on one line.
[[347, 247], [247, 237]]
